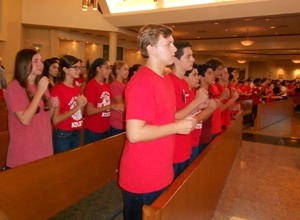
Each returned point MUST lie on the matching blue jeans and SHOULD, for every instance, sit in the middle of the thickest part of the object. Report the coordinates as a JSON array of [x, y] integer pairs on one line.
[[65, 140], [90, 136], [115, 131], [133, 203], [196, 150], [179, 168]]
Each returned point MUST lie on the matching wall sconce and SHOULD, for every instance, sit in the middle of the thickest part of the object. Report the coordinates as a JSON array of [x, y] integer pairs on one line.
[[241, 61], [247, 42], [296, 60], [87, 3]]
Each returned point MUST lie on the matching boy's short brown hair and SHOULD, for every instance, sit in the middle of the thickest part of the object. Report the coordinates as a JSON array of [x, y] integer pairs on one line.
[[149, 34]]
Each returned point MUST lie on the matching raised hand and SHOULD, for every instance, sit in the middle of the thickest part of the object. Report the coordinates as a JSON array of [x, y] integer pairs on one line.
[[81, 101], [42, 85], [201, 96], [186, 125], [54, 101]]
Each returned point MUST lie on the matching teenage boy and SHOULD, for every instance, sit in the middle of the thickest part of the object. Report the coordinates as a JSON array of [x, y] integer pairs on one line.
[[185, 103], [146, 163], [217, 67], [204, 111]]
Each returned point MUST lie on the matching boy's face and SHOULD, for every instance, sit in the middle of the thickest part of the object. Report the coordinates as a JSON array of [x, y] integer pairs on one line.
[[218, 72], [209, 77], [193, 79], [187, 60], [224, 76], [165, 50]]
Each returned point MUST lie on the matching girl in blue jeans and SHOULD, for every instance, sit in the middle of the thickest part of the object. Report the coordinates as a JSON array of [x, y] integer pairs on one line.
[[67, 118]]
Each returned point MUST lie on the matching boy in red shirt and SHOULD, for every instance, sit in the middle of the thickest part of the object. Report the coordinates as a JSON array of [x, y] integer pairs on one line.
[[217, 67], [186, 104], [146, 166]]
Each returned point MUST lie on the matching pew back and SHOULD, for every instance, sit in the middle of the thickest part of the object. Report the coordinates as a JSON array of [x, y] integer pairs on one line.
[[196, 192], [41, 189], [271, 113], [3, 117], [4, 140]]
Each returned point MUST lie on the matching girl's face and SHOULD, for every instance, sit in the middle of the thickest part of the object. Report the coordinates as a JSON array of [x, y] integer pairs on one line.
[[37, 65], [74, 71], [123, 71], [104, 70], [53, 70]]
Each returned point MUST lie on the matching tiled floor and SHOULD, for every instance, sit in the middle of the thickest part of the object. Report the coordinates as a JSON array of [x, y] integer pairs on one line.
[[264, 183]]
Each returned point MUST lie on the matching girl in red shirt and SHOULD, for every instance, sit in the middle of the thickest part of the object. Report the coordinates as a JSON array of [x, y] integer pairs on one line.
[[97, 111], [67, 118]]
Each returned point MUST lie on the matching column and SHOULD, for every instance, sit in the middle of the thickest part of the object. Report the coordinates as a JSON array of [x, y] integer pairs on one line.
[[112, 47]]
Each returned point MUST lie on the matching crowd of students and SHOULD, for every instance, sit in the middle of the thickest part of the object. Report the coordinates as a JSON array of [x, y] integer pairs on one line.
[[170, 117], [50, 102]]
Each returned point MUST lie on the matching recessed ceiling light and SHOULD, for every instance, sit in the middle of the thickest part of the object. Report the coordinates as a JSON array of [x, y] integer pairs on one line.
[[216, 23], [272, 27], [267, 19]]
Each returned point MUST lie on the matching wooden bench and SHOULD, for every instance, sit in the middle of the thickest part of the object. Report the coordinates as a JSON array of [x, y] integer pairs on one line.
[[196, 192], [271, 113], [4, 140], [43, 188], [246, 106], [3, 117]]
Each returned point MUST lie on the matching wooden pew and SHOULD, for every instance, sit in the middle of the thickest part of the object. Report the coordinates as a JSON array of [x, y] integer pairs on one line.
[[196, 192], [246, 106], [271, 113], [43, 188], [4, 140], [3, 117]]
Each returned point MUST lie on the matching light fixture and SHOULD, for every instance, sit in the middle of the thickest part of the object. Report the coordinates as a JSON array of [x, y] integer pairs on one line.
[[297, 60], [241, 61], [87, 3], [247, 42]]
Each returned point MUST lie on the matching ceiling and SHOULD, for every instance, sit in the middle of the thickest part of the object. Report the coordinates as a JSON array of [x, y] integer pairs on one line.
[[274, 25], [236, 29]]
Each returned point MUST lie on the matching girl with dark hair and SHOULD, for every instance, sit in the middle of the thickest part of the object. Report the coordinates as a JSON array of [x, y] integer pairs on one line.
[[27, 99], [133, 70], [51, 68], [97, 112], [67, 118]]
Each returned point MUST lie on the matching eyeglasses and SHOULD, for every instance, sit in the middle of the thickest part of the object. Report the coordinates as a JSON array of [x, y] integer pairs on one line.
[[76, 67]]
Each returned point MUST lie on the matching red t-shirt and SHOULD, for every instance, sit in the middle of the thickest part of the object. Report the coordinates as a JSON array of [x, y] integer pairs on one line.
[[117, 119], [78, 81], [246, 90], [27, 142], [67, 100], [216, 116], [226, 113], [195, 134], [271, 97], [99, 95], [148, 166], [183, 145], [256, 96]]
